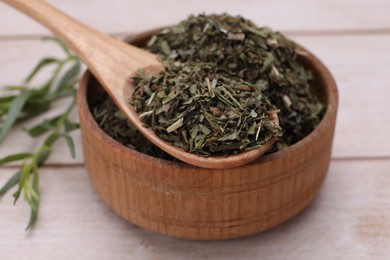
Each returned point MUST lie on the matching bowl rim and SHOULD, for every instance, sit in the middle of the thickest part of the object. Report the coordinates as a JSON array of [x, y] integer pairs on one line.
[[312, 62]]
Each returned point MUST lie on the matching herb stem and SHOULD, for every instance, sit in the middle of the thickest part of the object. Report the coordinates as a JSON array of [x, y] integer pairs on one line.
[[31, 103]]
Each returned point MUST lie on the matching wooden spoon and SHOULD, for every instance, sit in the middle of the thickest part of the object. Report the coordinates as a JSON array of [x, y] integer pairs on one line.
[[114, 63]]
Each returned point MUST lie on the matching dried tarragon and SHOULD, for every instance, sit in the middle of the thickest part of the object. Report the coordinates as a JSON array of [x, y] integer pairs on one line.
[[256, 55], [239, 48], [204, 111]]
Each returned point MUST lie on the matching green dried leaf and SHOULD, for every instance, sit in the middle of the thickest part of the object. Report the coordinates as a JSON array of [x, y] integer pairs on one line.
[[175, 125], [204, 129]]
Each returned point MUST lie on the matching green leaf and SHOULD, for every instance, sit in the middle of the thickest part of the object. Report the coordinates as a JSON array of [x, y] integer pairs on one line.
[[41, 64], [6, 100], [37, 101], [15, 157], [43, 127], [69, 76], [70, 126], [16, 106], [59, 42], [29, 190], [15, 88], [69, 142], [51, 139], [66, 92], [35, 182], [34, 111], [26, 194], [10, 183], [38, 129], [23, 178], [41, 92], [43, 155], [35, 199], [33, 216]]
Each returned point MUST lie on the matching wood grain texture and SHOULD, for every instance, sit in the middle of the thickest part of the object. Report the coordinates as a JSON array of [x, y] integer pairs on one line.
[[349, 218], [203, 204], [136, 16]]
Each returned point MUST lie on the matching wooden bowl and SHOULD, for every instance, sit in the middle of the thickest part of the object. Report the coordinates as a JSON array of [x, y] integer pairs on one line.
[[184, 201]]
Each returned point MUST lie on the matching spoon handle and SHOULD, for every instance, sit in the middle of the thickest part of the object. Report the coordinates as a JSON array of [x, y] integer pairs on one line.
[[97, 50]]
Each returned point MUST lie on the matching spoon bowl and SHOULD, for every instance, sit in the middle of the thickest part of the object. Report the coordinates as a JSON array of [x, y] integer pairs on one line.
[[114, 63]]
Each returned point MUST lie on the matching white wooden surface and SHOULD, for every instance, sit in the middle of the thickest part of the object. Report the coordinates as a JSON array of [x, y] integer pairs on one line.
[[349, 219]]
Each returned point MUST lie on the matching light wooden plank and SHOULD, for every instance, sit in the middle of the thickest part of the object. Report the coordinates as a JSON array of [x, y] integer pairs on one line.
[[360, 65], [349, 219], [134, 15]]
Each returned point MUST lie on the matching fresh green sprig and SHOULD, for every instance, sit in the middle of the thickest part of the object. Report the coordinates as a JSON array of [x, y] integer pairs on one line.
[[24, 102]]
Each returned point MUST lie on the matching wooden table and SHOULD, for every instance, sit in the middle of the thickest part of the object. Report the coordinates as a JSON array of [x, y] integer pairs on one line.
[[349, 219]]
